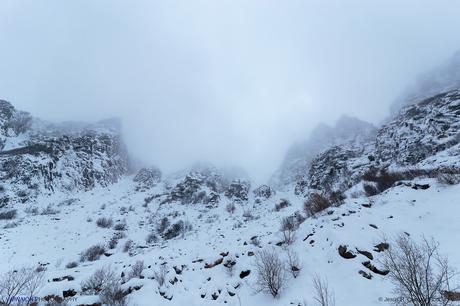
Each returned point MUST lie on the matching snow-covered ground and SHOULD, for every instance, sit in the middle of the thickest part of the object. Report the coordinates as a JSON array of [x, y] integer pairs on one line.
[[54, 240]]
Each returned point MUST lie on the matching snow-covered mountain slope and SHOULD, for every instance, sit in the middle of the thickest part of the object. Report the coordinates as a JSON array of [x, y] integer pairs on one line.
[[417, 132], [192, 238], [54, 240], [39, 157], [297, 160]]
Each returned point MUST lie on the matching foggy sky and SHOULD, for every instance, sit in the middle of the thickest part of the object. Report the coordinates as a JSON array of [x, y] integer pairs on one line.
[[231, 82]]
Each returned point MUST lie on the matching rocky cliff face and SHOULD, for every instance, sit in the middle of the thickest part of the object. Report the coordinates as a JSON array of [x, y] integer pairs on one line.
[[416, 133], [203, 184], [420, 130], [43, 159]]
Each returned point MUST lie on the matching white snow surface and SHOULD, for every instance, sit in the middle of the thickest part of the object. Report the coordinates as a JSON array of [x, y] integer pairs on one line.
[[55, 240]]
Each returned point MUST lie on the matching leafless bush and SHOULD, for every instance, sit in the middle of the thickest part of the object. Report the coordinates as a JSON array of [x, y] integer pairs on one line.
[[323, 295], [370, 189], [137, 269], [288, 228], [449, 178], [71, 265], [421, 276], [92, 253], [271, 272], [160, 275], [128, 245], [385, 179], [33, 210], [283, 203], [8, 215], [113, 242], [113, 296], [101, 280], [230, 208], [49, 210], [316, 203], [247, 215], [24, 282], [151, 238], [294, 263], [120, 226], [104, 222], [178, 228], [163, 225], [336, 197]]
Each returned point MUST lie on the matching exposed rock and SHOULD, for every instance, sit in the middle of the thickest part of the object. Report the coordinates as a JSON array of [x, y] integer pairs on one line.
[[381, 247], [345, 253], [420, 130], [264, 192], [365, 253], [147, 177], [374, 269], [238, 190]]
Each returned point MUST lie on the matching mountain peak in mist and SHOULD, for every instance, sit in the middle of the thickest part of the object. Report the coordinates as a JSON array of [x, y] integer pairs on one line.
[[296, 161], [444, 78]]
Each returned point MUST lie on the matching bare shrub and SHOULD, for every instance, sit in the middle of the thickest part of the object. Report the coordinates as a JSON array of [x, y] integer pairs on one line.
[[288, 228], [49, 210], [151, 238], [92, 253], [385, 179], [449, 178], [271, 272], [336, 197], [24, 282], [71, 265], [421, 276], [316, 203], [137, 269], [299, 218], [104, 282], [113, 242], [104, 222], [128, 245], [283, 203], [163, 225], [8, 215], [294, 263], [113, 296], [160, 275], [120, 226], [230, 208], [178, 228], [323, 295], [247, 215], [370, 189], [33, 210], [102, 279]]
